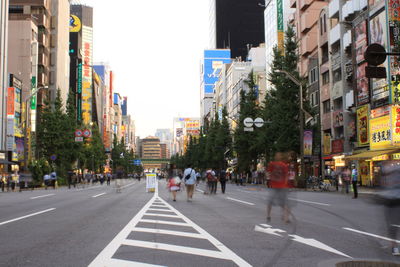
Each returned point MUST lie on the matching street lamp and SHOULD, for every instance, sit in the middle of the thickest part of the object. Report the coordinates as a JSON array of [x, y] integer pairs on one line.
[[297, 82], [33, 93]]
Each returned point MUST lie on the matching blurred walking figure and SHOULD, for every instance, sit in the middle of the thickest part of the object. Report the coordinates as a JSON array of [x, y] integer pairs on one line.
[[278, 172], [53, 177], [70, 178], [189, 180], [46, 180], [211, 181], [390, 198], [222, 180], [14, 180], [3, 182], [108, 178], [346, 173], [174, 185], [354, 180]]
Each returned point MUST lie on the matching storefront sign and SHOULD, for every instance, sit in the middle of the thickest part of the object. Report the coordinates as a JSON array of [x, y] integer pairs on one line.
[[379, 112], [327, 144], [395, 115], [87, 77], [394, 35], [396, 156], [308, 142], [362, 125], [337, 146], [380, 134], [362, 85], [280, 24], [381, 157], [10, 101]]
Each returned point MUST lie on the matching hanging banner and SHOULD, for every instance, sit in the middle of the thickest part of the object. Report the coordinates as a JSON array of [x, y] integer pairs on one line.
[[362, 125], [395, 115], [380, 134], [327, 144], [394, 38], [308, 142]]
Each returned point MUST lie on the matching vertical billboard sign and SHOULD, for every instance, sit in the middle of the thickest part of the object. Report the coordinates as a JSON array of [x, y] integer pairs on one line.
[[378, 34], [87, 40], [380, 134], [362, 125], [308, 142], [280, 26], [10, 119], [394, 33], [362, 81], [213, 63], [327, 144], [33, 104], [395, 116]]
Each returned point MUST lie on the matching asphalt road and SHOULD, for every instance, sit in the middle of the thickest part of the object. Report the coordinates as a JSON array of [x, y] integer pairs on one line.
[[97, 226]]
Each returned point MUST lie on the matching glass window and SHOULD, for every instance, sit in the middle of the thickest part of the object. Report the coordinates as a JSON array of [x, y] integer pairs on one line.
[[325, 78], [326, 106]]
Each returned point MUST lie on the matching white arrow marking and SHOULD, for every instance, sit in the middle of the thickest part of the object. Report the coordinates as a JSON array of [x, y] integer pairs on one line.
[[315, 243], [270, 231]]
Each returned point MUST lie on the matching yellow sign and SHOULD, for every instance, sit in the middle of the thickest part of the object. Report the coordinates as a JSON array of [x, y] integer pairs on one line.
[[362, 125], [281, 41], [75, 24], [395, 114], [380, 134], [381, 157], [327, 144], [396, 156]]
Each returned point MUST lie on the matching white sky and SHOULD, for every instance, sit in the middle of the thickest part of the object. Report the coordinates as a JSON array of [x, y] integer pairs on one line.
[[154, 48]]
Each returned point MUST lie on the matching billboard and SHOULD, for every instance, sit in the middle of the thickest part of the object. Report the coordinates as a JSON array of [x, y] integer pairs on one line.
[[75, 24], [124, 106], [395, 116], [87, 94], [362, 125], [213, 63], [361, 40], [379, 133], [308, 142]]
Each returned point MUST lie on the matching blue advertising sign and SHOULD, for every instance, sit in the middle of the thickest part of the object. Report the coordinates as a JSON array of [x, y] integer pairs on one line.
[[213, 62]]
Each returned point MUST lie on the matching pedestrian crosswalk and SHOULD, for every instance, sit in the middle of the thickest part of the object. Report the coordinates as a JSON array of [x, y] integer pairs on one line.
[[160, 222]]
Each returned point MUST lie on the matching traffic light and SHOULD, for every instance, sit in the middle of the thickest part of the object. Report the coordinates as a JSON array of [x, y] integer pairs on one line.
[[375, 54]]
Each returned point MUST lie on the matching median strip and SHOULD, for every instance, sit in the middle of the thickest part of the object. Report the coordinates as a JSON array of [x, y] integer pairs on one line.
[[27, 216]]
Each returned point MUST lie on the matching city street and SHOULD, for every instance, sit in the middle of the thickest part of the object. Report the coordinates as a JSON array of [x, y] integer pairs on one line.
[[96, 226]]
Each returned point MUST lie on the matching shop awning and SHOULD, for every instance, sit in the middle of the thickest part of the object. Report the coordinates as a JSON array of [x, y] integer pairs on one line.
[[6, 162], [371, 154]]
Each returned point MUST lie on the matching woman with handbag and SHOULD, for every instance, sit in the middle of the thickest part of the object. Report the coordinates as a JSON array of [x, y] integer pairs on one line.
[[174, 185]]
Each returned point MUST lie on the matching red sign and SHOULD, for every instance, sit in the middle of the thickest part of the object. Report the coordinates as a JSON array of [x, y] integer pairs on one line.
[[87, 133], [337, 146], [379, 112], [10, 101], [78, 133], [86, 60]]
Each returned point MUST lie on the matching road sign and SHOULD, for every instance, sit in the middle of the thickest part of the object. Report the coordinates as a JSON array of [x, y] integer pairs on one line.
[[259, 122], [78, 139], [375, 54], [87, 133], [78, 133], [248, 129], [53, 157], [248, 122], [137, 162]]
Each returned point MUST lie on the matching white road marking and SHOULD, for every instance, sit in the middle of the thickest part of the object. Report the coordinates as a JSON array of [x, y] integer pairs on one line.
[[154, 209], [373, 235], [99, 194], [395, 225], [105, 258], [241, 201], [315, 243], [48, 195], [161, 215], [168, 232], [199, 190], [269, 230], [157, 205], [27, 216], [128, 185], [124, 263], [89, 188], [310, 202]]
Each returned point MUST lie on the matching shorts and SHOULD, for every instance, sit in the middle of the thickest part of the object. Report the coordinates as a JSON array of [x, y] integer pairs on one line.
[[174, 188], [278, 196]]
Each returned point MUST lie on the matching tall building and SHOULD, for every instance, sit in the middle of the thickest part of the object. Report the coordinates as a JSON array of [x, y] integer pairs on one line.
[[3, 67], [59, 47], [151, 149], [237, 25]]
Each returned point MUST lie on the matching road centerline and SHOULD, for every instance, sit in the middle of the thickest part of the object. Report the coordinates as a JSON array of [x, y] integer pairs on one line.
[[310, 202], [42, 196], [27, 216], [240, 201], [99, 195], [372, 235]]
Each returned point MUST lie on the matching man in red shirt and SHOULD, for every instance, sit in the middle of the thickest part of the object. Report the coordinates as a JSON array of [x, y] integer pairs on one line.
[[278, 174]]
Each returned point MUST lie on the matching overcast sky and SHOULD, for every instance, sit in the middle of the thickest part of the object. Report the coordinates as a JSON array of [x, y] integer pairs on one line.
[[154, 48]]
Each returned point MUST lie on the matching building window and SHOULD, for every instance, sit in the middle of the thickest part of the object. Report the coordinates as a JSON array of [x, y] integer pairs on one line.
[[337, 75], [324, 23], [314, 99], [325, 78], [313, 76], [326, 105], [321, 26], [14, 9]]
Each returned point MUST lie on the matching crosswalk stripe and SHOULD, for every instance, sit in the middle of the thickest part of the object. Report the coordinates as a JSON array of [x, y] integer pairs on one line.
[[161, 215], [167, 232], [118, 263], [164, 222], [174, 248], [154, 209]]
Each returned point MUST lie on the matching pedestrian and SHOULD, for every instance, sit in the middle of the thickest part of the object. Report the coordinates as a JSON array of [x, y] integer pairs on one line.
[[46, 180], [3, 182], [222, 180], [70, 174], [53, 177], [278, 172], [14, 180], [174, 185], [346, 179], [108, 178], [211, 181], [354, 180], [390, 198], [189, 180], [335, 178]]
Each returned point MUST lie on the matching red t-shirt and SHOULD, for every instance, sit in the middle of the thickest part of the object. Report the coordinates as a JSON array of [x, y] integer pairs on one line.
[[278, 172]]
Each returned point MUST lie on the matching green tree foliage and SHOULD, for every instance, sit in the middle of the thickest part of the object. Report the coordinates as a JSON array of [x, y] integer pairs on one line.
[[94, 152]]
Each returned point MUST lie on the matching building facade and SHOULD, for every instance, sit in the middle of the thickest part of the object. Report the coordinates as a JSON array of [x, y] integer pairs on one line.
[[151, 149], [3, 67]]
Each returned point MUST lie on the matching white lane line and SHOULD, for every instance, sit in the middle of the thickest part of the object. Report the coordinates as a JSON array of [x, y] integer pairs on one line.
[[395, 225], [310, 202], [240, 201], [161, 215], [125, 263], [164, 222], [199, 190], [90, 188], [174, 248], [369, 234], [128, 185], [167, 232], [48, 195], [27, 216], [99, 194]]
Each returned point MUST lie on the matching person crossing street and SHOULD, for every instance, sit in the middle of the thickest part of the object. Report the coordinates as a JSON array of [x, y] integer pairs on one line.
[[222, 180], [189, 179]]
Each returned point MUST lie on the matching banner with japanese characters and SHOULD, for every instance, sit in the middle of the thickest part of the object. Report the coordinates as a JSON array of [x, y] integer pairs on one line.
[[362, 125], [395, 115], [380, 133]]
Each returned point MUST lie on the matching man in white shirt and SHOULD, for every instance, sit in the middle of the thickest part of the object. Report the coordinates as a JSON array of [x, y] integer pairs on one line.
[[189, 179]]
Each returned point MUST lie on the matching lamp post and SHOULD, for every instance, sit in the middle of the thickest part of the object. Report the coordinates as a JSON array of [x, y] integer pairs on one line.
[[301, 111], [33, 93]]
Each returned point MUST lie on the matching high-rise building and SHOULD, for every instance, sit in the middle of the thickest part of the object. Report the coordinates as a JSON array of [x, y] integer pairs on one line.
[[237, 25], [151, 149], [3, 67], [59, 47]]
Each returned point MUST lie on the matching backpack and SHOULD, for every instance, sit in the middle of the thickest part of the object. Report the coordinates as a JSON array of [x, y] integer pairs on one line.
[[210, 177]]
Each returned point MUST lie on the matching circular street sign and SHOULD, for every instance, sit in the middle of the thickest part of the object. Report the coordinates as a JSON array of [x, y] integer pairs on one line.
[[375, 54], [248, 122], [87, 133], [259, 122], [53, 157], [78, 133]]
